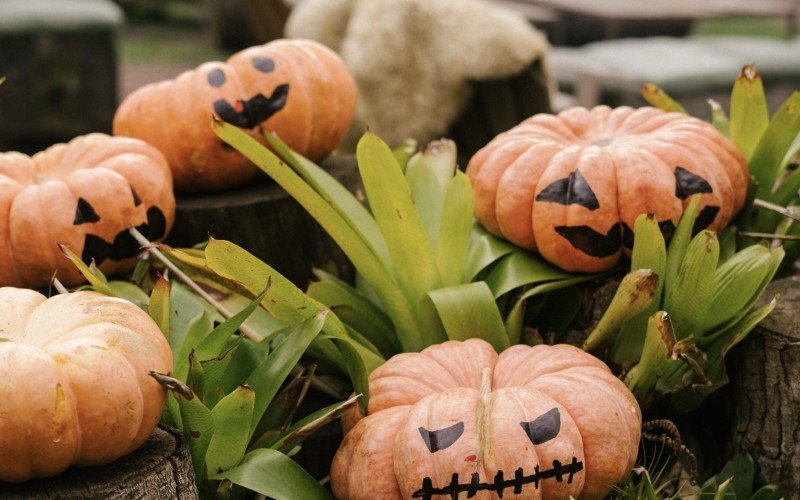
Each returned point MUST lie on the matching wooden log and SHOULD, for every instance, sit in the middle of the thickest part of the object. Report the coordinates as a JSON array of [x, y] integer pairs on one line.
[[263, 219], [765, 375], [161, 468]]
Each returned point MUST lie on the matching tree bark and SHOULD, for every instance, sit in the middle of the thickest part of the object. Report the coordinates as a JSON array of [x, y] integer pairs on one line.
[[264, 220], [766, 381], [161, 468]]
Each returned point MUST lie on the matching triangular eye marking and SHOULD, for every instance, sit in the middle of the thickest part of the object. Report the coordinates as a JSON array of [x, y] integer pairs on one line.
[[263, 64], [216, 78], [84, 213], [136, 200], [590, 242], [443, 438], [687, 184], [544, 428], [705, 218], [572, 189]]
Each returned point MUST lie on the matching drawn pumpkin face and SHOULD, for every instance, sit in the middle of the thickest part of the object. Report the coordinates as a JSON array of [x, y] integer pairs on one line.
[[570, 186], [296, 88], [533, 422], [85, 195]]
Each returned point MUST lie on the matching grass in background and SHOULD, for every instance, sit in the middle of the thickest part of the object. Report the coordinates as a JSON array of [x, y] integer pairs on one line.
[[745, 26]]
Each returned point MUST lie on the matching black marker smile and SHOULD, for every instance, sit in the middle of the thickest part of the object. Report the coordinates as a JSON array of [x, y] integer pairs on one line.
[[254, 111], [500, 484]]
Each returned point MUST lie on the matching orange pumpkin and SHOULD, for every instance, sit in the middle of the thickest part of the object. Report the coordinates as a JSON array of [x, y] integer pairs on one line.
[[85, 195], [74, 384], [299, 89], [570, 186], [533, 422]]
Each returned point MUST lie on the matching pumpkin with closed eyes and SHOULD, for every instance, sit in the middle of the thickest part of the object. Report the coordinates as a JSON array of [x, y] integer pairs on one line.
[[570, 186], [85, 194], [298, 89], [532, 422]]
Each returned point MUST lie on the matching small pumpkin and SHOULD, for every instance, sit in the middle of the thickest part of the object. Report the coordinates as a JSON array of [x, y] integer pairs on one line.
[[85, 195], [532, 422], [74, 384], [570, 186], [299, 89]]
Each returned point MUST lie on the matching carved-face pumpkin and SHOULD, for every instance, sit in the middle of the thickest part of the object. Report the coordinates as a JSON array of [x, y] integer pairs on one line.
[[570, 186], [533, 422], [297, 88], [74, 384], [85, 195]]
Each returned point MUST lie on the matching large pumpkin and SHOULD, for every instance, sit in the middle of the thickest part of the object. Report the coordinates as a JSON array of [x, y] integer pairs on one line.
[[570, 186], [299, 89], [74, 384], [85, 195], [533, 422]]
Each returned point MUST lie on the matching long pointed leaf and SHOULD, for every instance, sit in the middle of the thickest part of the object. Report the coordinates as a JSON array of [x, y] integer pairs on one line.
[[452, 242], [469, 311], [749, 113], [232, 415]]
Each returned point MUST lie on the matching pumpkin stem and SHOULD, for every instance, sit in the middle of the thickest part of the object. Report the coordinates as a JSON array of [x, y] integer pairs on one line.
[[484, 408]]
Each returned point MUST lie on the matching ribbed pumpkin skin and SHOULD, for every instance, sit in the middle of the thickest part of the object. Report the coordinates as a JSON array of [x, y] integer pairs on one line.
[[570, 186], [85, 195], [385, 455], [74, 384], [298, 89]]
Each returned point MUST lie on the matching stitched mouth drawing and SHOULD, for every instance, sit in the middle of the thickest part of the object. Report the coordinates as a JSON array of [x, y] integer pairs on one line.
[[558, 471], [254, 111]]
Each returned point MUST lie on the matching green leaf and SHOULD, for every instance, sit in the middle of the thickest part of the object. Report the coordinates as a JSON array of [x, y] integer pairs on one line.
[[298, 432], [521, 269], [158, 308], [680, 242], [656, 97], [353, 308], [719, 119], [268, 377], [484, 250], [399, 221], [769, 492], [634, 295], [469, 311], [278, 415], [214, 374], [649, 252], [767, 160], [273, 474], [749, 113], [727, 243], [452, 242], [231, 415], [284, 301], [214, 343], [198, 428], [741, 472], [427, 194], [656, 358], [355, 369], [130, 292], [98, 281], [346, 205], [189, 324], [404, 152], [380, 278], [688, 298]]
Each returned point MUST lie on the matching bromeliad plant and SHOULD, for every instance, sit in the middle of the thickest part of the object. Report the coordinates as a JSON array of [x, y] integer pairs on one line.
[[233, 397], [681, 309], [769, 146], [426, 272]]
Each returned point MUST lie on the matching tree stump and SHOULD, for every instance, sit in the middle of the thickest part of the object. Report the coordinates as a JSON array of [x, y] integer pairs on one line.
[[161, 468], [766, 380], [264, 220]]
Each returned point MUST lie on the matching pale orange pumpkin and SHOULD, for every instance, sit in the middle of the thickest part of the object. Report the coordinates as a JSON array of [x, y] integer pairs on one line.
[[85, 195], [298, 89], [533, 422], [570, 186], [74, 384]]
